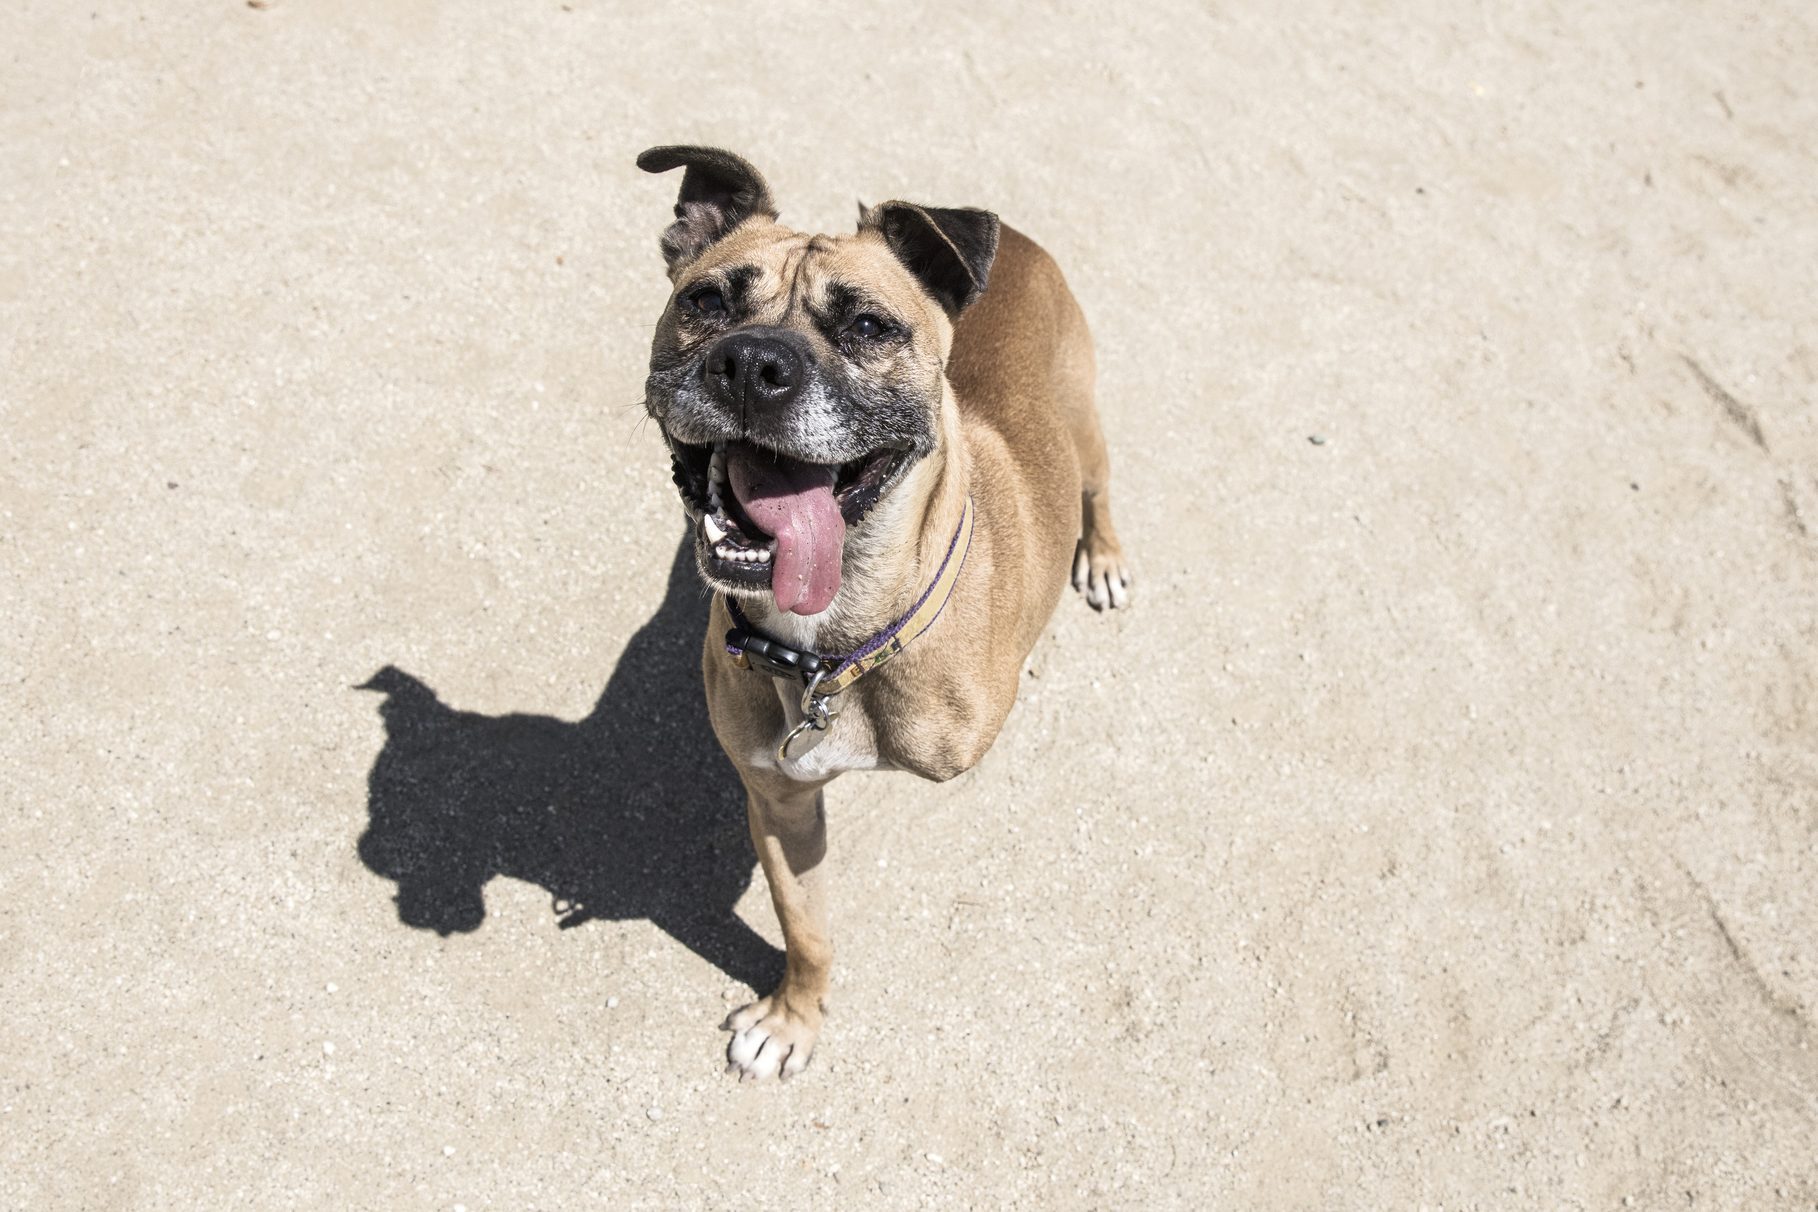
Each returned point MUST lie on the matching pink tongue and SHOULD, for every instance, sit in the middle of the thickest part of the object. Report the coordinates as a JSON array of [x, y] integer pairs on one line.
[[793, 502]]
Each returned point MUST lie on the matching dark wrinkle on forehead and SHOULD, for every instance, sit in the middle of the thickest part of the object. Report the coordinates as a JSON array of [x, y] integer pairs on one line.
[[840, 297], [840, 300], [738, 283]]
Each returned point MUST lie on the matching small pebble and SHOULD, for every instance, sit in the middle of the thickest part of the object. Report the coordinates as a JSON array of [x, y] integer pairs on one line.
[[655, 1113], [447, 1150], [612, 1003], [332, 987], [328, 1049], [1316, 439], [933, 1158]]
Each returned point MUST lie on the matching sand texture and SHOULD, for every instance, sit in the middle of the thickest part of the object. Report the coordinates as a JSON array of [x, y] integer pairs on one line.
[[1439, 829]]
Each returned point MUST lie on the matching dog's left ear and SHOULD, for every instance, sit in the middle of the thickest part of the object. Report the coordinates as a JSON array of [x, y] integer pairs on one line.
[[949, 251], [719, 192]]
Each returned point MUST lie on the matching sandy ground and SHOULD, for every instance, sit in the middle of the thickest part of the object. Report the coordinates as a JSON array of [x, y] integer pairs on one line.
[[1440, 829]]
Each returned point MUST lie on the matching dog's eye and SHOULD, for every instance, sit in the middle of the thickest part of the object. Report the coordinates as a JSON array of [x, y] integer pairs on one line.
[[708, 302], [867, 327]]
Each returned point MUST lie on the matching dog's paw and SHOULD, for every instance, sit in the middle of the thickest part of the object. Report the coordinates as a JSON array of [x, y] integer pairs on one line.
[[769, 1039], [1099, 572]]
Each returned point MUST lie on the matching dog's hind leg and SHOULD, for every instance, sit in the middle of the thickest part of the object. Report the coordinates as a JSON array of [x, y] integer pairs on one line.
[[1100, 570], [773, 1036]]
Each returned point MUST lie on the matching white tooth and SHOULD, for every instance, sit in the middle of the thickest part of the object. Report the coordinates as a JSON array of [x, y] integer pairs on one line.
[[716, 467], [715, 532], [723, 551], [763, 557]]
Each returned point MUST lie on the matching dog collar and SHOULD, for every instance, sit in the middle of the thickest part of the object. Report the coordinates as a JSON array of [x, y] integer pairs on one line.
[[824, 676]]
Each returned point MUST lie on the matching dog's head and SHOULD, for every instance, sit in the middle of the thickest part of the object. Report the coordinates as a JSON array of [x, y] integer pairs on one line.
[[799, 378]]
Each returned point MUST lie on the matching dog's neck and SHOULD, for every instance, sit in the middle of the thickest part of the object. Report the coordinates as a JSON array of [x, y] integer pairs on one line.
[[886, 568]]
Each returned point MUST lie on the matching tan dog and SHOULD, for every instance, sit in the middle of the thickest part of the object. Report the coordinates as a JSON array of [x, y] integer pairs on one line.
[[880, 458]]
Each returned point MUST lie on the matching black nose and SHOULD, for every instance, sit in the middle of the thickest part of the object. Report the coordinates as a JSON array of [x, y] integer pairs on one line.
[[756, 369]]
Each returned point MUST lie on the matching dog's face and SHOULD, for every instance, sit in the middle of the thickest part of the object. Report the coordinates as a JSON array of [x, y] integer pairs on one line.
[[798, 378]]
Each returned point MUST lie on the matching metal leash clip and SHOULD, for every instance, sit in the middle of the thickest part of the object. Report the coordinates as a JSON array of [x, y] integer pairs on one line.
[[818, 713]]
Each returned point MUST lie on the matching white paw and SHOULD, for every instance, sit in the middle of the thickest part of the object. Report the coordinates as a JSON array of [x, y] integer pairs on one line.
[[768, 1040], [1103, 577]]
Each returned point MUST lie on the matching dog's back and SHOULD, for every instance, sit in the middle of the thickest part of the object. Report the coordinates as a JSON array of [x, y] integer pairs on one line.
[[1022, 370]]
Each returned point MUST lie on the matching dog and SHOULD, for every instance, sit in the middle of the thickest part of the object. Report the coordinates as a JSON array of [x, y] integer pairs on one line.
[[889, 470]]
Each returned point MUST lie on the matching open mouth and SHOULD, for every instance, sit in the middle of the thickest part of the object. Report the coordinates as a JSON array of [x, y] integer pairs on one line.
[[769, 519]]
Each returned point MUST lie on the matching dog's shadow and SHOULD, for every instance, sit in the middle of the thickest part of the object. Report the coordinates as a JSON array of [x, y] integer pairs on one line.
[[632, 812]]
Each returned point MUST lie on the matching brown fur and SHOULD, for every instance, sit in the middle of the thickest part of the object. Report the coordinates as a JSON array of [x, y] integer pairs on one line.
[[1018, 431]]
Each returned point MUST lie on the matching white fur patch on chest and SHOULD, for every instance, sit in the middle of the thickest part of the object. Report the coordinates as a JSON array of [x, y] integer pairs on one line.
[[838, 752]]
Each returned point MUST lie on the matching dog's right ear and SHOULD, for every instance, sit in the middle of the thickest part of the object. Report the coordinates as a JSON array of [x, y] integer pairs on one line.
[[949, 251], [719, 192]]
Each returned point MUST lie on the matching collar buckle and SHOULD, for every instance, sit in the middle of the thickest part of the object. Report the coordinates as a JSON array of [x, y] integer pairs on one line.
[[752, 651]]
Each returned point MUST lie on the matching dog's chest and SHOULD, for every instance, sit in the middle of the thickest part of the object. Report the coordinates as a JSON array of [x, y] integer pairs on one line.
[[849, 744]]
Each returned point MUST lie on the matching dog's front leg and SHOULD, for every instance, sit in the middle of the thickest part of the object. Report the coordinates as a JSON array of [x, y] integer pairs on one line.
[[774, 1036]]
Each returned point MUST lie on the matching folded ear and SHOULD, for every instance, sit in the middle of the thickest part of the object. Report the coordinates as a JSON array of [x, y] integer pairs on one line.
[[719, 192], [949, 251]]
